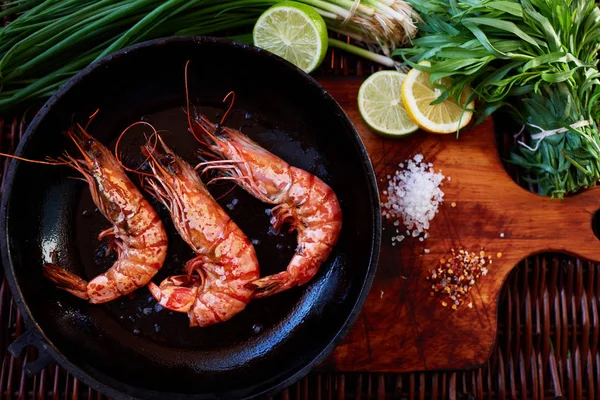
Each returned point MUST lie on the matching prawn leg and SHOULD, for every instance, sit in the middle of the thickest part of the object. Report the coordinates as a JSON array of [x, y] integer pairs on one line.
[[114, 243], [107, 233], [283, 214]]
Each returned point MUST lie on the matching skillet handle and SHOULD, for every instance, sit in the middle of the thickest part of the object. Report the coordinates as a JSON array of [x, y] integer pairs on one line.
[[31, 338]]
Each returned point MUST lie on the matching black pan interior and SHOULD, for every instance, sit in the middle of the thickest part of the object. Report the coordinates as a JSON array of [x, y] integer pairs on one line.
[[132, 345]]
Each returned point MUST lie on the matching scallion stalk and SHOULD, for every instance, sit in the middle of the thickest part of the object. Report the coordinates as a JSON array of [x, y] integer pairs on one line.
[[364, 53], [34, 47]]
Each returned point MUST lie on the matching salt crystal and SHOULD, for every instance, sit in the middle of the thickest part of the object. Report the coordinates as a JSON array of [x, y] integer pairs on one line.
[[426, 251], [502, 234], [414, 196]]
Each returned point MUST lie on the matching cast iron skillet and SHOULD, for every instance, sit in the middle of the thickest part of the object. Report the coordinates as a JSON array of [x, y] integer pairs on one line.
[[131, 347]]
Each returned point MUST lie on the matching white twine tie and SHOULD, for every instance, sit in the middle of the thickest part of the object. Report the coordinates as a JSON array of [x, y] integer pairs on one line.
[[543, 134]]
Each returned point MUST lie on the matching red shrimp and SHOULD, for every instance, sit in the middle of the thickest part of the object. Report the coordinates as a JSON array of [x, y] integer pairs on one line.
[[137, 233], [303, 200], [215, 286]]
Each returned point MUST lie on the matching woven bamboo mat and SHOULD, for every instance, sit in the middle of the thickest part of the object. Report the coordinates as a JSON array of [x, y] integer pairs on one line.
[[547, 343]]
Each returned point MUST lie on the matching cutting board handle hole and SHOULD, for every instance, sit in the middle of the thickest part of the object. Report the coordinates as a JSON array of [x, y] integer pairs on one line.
[[596, 224]]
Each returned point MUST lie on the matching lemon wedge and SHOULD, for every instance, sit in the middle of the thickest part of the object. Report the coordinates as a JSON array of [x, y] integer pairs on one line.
[[446, 117]]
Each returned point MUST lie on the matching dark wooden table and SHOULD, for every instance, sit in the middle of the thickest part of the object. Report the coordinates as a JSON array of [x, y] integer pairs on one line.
[[546, 345]]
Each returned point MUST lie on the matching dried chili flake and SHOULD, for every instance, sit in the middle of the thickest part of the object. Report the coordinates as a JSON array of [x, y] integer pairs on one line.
[[454, 277]]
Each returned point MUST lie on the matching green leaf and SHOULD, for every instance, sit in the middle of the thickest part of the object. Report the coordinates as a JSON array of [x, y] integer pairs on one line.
[[505, 26], [557, 76], [556, 57], [480, 35], [509, 7], [551, 37]]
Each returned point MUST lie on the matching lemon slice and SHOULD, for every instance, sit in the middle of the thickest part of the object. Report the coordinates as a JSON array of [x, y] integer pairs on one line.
[[446, 117], [293, 31], [380, 104]]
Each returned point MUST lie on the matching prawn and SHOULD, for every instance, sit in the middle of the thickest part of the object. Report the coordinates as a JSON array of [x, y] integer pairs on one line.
[[137, 234], [301, 199], [214, 288]]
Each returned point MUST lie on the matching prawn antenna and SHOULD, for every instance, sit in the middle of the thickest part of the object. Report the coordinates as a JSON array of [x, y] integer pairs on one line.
[[91, 118], [202, 153], [49, 161], [227, 192], [189, 114], [232, 95], [118, 156]]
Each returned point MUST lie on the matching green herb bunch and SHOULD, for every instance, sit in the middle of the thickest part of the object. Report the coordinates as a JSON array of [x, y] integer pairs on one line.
[[51, 40], [538, 58]]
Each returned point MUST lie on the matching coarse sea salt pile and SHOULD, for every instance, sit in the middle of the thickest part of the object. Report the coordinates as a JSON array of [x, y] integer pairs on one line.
[[413, 197]]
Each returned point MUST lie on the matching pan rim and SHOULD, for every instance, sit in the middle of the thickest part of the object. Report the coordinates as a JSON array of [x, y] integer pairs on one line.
[[45, 344]]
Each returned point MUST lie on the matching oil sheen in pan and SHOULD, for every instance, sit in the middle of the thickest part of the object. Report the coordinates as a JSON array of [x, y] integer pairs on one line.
[[139, 312]]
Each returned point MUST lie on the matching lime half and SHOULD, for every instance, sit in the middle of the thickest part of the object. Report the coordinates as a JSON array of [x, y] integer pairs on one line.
[[380, 104], [293, 31]]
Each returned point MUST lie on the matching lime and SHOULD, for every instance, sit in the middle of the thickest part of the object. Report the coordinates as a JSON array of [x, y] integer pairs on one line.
[[380, 104], [446, 117], [293, 31]]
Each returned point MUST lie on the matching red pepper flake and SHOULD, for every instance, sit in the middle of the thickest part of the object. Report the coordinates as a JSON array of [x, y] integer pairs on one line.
[[453, 278]]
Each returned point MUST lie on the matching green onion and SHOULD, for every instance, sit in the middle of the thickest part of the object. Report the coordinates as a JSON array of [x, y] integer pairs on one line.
[[359, 51], [537, 58], [51, 40]]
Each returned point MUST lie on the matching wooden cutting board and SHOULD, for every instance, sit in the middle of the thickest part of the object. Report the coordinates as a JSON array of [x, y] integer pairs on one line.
[[401, 327]]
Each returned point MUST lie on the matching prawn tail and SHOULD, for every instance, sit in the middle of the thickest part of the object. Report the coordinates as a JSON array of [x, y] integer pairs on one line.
[[175, 293], [66, 280], [269, 285]]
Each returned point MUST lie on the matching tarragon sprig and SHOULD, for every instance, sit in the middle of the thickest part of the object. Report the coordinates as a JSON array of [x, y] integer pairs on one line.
[[539, 58]]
